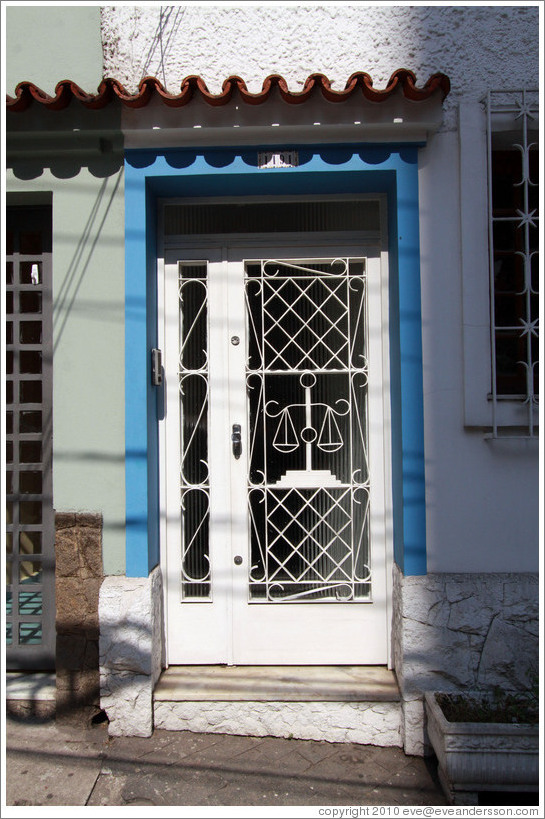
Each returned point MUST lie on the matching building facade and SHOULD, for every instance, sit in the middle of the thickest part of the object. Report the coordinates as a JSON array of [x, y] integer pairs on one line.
[[272, 334]]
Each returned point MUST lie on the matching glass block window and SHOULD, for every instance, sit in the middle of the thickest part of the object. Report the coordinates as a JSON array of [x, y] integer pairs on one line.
[[513, 164], [30, 610]]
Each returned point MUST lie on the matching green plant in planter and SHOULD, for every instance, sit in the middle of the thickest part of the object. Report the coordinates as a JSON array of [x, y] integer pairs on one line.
[[498, 706]]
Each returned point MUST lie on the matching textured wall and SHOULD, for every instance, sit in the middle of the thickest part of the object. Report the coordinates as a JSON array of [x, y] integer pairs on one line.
[[476, 47], [131, 651], [453, 632], [364, 723], [469, 632]]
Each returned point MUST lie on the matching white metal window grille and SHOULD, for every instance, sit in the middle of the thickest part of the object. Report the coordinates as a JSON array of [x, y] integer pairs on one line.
[[194, 387], [30, 580], [308, 481], [512, 122]]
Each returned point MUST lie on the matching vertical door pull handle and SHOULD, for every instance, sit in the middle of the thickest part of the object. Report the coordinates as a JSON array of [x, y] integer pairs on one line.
[[156, 368], [236, 441]]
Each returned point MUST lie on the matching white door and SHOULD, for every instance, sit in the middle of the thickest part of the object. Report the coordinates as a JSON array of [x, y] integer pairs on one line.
[[274, 456]]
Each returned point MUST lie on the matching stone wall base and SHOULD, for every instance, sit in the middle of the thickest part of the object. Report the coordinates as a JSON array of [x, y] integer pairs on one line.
[[78, 575], [451, 632], [131, 651], [365, 723], [456, 632], [413, 728]]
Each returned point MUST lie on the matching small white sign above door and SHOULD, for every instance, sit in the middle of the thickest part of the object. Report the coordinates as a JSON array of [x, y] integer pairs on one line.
[[278, 159]]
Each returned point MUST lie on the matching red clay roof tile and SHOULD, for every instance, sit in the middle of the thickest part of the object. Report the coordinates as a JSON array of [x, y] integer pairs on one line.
[[110, 90]]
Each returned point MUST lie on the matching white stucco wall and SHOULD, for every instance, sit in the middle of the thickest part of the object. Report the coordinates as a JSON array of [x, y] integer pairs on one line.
[[481, 495], [477, 47], [482, 501]]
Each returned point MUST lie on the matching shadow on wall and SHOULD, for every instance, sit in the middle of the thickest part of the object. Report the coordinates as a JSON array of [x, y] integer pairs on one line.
[[85, 239], [100, 165], [223, 158], [78, 685], [79, 264], [170, 19]]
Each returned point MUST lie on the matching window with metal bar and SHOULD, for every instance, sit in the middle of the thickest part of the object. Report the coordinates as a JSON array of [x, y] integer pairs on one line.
[[513, 199]]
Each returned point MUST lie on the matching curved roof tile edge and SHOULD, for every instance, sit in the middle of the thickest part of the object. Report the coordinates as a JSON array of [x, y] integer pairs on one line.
[[109, 89]]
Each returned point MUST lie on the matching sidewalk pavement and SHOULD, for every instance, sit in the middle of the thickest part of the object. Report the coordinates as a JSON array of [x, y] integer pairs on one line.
[[51, 764]]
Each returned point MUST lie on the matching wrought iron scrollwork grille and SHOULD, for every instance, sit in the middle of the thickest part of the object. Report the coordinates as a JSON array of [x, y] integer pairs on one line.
[[308, 479], [194, 389]]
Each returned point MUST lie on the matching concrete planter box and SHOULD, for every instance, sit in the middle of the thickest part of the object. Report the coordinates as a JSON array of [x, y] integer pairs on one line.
[[482, 756]]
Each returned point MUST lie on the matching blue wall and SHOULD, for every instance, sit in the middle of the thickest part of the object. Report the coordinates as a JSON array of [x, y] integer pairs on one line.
[[233, 172]]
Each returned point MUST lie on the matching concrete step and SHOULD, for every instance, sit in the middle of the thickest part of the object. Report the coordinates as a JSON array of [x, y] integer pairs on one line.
[[335, 703], [30, 694], [21, 685]]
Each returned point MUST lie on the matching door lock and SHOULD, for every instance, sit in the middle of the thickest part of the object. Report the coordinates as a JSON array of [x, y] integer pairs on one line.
[[236, 441]]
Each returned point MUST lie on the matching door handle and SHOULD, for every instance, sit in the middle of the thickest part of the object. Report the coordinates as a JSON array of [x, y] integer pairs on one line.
[[236, 441]]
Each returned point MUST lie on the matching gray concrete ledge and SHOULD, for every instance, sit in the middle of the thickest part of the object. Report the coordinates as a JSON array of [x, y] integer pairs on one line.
[[218, 683], [30, 687]]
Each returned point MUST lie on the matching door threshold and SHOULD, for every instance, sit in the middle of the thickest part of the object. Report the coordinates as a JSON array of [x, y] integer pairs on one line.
[[277, 683]]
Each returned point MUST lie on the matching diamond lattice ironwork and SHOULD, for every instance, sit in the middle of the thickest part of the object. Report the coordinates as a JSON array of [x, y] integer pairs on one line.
[[307, 390]]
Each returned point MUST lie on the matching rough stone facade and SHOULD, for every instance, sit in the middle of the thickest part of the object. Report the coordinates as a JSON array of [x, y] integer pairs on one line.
[[131, 651], [455, 632], [78, 575], [365, 723]]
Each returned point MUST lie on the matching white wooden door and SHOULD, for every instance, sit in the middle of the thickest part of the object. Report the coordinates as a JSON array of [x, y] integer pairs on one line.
[[274, 456]]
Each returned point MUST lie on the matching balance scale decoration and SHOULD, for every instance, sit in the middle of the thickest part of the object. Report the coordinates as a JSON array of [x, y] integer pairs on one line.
[[307, 475], [328, 439], [308, 481]]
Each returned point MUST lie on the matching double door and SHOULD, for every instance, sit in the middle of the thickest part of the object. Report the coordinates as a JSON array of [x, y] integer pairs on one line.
[[274, 455]]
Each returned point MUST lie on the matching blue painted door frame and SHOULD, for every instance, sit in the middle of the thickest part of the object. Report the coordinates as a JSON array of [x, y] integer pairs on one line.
[[390, 169]]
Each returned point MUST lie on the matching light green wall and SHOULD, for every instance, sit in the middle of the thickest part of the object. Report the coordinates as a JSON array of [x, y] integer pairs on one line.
[[88, 363], [46, 44]]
